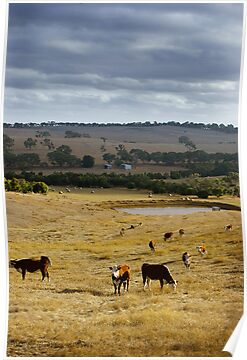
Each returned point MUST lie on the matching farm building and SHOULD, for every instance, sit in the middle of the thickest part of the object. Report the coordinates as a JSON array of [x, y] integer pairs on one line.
[[126, 166], [107, 166]]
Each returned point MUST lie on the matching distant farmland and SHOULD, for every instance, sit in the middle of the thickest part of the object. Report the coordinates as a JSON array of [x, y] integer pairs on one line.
[[96, 141]]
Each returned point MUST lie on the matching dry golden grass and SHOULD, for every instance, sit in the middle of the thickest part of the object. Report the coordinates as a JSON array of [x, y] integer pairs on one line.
[[77, 314]]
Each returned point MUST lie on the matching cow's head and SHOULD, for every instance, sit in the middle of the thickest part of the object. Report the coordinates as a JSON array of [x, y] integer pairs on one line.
[[114, 271], [12, 263], [174, 284]]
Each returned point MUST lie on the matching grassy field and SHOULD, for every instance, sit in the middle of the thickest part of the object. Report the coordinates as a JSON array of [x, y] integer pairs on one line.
[[77, 314], [151, 139]]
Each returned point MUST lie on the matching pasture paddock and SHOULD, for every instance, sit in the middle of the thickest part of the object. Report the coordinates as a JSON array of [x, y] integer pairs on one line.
[[77, 314], [150, 139]]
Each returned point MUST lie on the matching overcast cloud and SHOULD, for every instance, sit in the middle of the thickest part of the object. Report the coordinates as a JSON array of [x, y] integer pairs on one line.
[[123, 62]]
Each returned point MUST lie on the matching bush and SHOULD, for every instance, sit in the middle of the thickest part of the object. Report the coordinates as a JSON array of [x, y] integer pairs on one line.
[[21, 185], [40, 187], [203, 194], [87, 161]]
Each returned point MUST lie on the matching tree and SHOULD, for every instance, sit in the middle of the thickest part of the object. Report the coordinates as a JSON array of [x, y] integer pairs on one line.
[[187, 142], [140, 154], [47, 142], [123, 154], [65, 149], [156, 156], [88, 161], [109, 157], [62, 158], [8, 142], [29, 143], [27, 160], [72, 134]]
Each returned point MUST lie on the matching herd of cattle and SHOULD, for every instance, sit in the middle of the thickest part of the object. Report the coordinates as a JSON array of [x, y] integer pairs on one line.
[[120, 274]]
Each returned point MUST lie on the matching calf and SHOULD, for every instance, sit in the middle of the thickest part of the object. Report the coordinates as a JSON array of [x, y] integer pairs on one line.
[[186, 259], [168, 235], [120, 275], [134, 226], [157, 272], [152, 244], [32, 265], [228, 227], [181, 232], [202, 249], [122, 232]]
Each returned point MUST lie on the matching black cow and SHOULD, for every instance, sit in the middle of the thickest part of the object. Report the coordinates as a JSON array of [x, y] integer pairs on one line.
[[157, 272], [32, 265]]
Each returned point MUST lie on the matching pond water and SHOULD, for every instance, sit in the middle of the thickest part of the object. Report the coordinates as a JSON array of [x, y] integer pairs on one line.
[[173, 210]]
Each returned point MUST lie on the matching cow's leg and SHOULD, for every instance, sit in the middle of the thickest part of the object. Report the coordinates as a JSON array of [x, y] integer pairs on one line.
[[115, 288], [161, 283], [149, 283], [144, 281], [128, 284], [119, 287], [23, 272], [44, 274]]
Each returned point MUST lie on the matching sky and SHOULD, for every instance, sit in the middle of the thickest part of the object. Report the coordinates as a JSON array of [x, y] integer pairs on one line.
[[121, 63]]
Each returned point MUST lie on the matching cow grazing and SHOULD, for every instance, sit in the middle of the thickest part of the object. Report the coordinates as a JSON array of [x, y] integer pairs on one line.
[[152, 244], [181, 232], [134, 226], [122, 232], [31, 265], [186, 259], [202, 249], [168, 235], [157, 272], [120, 275], [228, 227]]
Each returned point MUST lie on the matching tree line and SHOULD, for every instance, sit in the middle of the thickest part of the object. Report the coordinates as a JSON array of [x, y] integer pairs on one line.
[[187, 124], [199, 187]]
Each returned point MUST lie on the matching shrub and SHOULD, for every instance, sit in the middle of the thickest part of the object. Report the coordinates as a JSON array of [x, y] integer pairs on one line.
[[40, 187], [203, 194]]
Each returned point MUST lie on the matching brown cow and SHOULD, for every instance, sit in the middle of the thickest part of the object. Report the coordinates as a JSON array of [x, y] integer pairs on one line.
[[228, 227], [31, 265], [168, 235], [152, 244], [120, 275], [181, 232], [202, 249]]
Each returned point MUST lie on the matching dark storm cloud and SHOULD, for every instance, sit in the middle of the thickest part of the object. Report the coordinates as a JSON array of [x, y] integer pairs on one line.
[[161, 55]]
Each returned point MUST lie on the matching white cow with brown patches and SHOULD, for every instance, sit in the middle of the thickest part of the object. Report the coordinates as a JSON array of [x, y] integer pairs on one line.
[[120, 275]]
